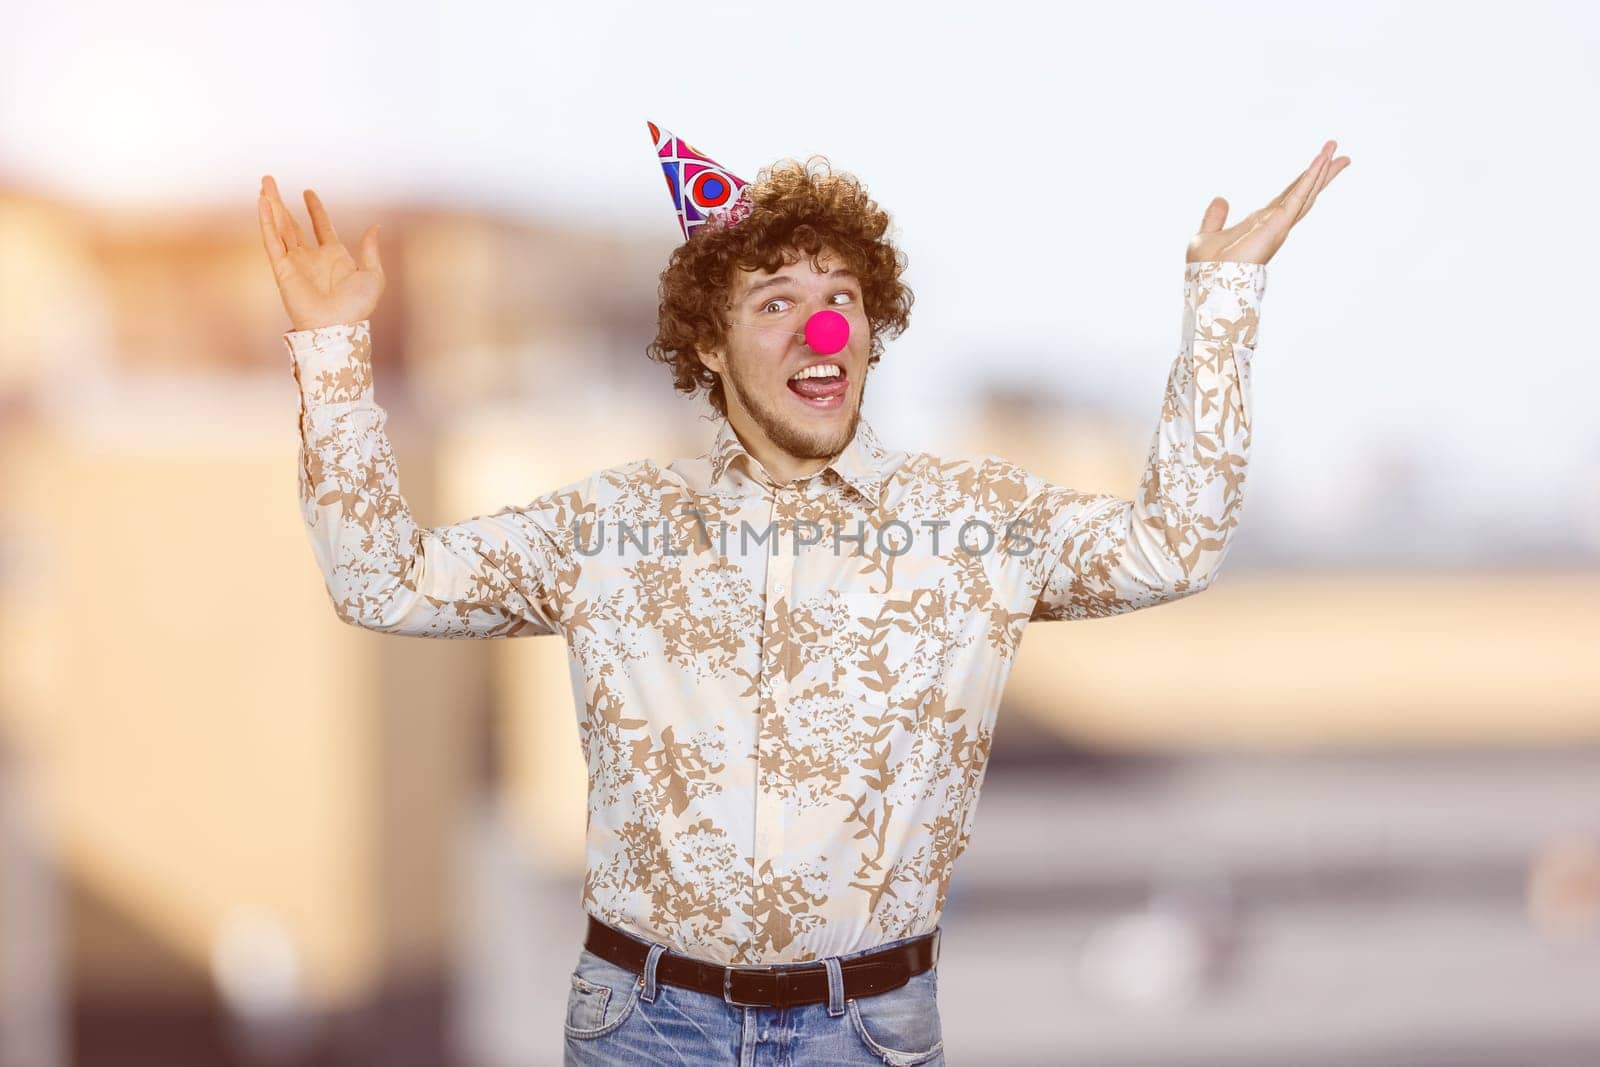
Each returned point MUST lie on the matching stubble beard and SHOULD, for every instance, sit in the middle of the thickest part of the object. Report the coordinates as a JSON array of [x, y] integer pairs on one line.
[[790, 435]]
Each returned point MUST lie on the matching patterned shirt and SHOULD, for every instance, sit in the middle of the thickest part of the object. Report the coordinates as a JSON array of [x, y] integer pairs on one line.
[[785, 692]]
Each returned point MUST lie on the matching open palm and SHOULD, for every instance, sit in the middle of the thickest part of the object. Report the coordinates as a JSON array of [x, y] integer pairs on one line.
[[321, 285], [1257, 236]]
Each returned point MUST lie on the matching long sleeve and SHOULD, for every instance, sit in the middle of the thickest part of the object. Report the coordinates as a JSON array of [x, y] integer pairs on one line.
[[1105, 555], [498, 575]]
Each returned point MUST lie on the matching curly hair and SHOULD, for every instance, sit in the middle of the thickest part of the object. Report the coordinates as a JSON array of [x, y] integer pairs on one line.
[[795, 209]]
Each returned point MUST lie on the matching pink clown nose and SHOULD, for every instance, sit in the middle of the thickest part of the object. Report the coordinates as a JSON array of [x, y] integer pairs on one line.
[[827, 332]]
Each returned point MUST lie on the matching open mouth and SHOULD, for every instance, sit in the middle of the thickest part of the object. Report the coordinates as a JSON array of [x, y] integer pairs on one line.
[[822, 388]]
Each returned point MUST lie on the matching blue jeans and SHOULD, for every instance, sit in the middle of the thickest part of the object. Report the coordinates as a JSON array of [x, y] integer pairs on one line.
[[616, 1017]]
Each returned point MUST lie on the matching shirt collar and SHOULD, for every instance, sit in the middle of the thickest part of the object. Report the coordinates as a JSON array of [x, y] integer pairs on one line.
[[860, 465]]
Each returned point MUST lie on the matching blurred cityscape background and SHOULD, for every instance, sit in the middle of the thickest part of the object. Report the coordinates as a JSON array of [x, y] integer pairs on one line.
[[1349, 814]]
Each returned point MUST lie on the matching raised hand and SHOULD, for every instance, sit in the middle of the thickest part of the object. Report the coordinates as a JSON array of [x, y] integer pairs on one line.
[[320, 284], [1257, 236]]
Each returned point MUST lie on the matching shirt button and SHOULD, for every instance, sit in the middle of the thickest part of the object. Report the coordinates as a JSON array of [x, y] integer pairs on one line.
[[766, 879], [778, 588]]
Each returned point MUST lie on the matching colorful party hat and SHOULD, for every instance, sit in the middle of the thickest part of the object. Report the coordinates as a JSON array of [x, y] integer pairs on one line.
[[703, 191]]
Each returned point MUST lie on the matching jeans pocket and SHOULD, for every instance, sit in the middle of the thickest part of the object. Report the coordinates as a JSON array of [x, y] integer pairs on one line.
[[601, 998], [901, 1027]]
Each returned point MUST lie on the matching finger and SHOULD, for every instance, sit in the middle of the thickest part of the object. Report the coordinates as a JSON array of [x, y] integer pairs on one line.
[[1287, 189], [1275, 201], [288, 228], [1216, 214], [269, 231], [1311, 197], [1332, 172], [283, 234], [1296, 200], [320, 225], [369, 251]]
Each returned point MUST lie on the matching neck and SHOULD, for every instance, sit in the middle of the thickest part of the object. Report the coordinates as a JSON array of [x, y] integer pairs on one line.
[[783, 467]]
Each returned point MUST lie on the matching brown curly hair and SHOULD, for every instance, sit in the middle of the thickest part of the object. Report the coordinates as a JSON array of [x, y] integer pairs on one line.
[[795, 208]]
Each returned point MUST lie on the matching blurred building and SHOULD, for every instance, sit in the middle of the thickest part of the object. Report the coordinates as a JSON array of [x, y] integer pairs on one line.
[[256, 804], [259, 811]]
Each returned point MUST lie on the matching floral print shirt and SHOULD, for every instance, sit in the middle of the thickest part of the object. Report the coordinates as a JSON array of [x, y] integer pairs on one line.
[[785, 693]]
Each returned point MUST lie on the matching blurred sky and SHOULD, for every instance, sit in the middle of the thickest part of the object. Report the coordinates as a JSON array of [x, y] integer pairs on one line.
[[1045, 166]]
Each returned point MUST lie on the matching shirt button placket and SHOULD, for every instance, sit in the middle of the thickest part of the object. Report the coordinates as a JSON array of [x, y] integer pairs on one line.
[[780, 568]]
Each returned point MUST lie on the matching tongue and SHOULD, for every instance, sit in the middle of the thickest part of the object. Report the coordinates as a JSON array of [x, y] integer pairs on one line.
[[818, 388]]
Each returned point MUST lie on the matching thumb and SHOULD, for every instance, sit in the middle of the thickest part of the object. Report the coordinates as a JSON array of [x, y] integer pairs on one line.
[[369, 251], [1216, 214]]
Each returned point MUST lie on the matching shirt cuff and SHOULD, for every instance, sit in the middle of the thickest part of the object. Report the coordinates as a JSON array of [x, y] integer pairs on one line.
[[332, 364], [1224, 299]]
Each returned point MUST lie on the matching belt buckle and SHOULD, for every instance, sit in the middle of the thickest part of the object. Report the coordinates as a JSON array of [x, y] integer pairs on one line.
[[727, 983]]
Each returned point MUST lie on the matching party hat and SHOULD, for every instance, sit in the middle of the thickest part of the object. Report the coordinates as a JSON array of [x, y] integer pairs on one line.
[[703, 191]]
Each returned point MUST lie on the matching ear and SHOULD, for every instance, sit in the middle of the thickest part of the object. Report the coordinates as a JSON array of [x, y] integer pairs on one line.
[[714, 360]]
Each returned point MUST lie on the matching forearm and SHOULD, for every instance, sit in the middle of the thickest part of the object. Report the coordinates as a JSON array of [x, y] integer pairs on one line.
[[384, 571], [1192, 489]]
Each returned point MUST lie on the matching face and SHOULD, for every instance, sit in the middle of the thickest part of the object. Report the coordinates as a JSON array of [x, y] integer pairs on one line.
[[766, 347]]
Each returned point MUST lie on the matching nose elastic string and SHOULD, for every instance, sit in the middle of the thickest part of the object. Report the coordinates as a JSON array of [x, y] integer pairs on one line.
[[769, 329], [826, 331]]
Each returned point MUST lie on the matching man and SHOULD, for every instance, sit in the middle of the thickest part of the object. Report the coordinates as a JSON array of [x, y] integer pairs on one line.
[[793, 646]]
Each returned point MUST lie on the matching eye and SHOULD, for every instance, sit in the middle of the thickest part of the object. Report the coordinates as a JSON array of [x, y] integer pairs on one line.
[[769, 303], [846, 292]]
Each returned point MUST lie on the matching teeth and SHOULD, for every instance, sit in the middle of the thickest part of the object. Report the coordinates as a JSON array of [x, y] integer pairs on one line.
[[821, 370]]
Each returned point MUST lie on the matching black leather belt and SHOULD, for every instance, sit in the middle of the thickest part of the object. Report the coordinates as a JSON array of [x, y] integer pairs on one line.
[[774, 985]]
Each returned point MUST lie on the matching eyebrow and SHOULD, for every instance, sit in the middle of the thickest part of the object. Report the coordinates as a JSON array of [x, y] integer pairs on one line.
[[781, 279]]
